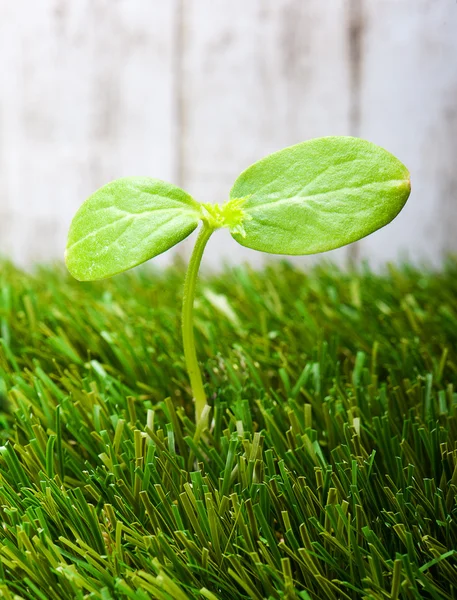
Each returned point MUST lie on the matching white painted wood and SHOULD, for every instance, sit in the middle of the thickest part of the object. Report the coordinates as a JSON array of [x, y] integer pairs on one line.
[[194, 92], [409, 106], [87, 96], [257, 76]]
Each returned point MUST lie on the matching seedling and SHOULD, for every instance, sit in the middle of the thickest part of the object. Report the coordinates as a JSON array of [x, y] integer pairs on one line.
[[312, 197]]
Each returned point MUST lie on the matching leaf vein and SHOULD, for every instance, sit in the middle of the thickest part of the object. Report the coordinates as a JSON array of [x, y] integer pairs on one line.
[[134, 216], [298, 198]]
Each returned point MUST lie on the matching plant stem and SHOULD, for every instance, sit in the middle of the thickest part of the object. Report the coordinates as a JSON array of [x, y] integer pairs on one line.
[[190, 353]]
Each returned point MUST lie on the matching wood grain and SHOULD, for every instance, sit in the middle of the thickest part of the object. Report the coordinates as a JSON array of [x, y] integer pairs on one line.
[[87, 96], [258, 76], [194, 92], [409, 106]]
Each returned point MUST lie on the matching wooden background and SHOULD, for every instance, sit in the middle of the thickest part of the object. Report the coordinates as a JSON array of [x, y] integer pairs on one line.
[[194, 91]]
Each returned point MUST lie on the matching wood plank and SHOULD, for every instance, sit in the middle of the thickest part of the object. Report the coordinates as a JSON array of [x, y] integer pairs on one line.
[[257, 76], [87, 97], [409, 106], [194, 92]]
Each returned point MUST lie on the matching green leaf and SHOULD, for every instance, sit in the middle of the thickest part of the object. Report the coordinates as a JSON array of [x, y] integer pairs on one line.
[[319, 195], [125, 223]]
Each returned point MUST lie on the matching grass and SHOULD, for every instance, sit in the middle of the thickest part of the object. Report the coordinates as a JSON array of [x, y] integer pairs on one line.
[[330, 470]]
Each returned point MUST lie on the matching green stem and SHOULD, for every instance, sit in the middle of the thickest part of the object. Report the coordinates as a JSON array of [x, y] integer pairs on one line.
[[190, 353]]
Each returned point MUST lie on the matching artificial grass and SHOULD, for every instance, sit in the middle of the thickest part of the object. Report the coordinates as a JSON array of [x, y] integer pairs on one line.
[[330, 470]]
